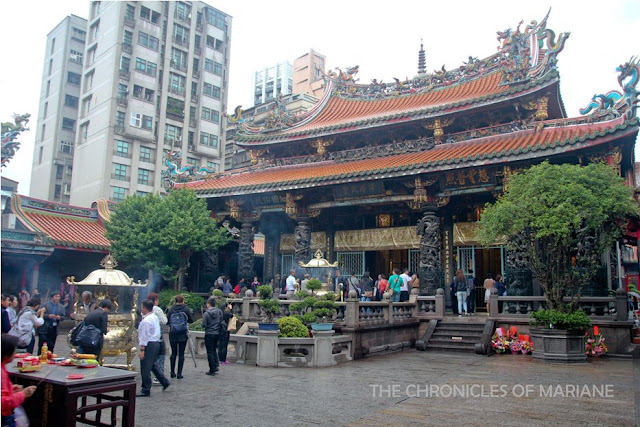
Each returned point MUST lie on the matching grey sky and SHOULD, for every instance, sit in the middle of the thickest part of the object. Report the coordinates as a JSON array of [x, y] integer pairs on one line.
[[383, 41]]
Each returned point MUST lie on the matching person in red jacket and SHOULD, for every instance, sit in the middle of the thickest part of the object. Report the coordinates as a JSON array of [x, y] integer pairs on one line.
[[12, 395]]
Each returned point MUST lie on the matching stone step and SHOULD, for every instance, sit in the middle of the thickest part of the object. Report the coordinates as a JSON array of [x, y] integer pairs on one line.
[[449, 341], [463, 334], [448, 347]]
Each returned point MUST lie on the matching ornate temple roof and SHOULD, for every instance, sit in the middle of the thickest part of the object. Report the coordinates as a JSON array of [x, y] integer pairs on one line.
[[65, 226], [525, 63], [479, 147]]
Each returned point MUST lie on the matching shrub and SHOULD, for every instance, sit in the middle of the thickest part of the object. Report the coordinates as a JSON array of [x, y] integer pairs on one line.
[[217, 293], [314, 285], [270, 308], [291, 327], [576, 320], [167, 299], [297, 306], [265, 292], [196, 326], [309, 318], [302, 294]]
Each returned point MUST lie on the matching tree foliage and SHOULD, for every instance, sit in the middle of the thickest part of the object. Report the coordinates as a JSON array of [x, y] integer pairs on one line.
[[160, 233], [569, 215]]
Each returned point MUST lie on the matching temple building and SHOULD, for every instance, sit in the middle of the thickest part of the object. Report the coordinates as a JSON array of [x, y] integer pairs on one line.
[[382, 176]]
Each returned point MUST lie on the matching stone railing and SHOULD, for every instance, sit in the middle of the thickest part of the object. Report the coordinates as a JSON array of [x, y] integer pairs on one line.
[[597, 308]]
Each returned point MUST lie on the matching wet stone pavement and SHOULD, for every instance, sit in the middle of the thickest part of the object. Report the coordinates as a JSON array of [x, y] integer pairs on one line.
[[405, 388]]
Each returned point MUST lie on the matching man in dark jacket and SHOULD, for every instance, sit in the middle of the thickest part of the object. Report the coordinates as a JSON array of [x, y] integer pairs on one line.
[[100, 319], [223, 341], [6, 325], [54, 313], [211, 322], [178, 339]]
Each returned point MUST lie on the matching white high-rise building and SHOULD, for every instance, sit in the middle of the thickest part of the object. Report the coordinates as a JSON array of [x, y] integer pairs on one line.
[[58, 112], [154, 79], [272, 81]]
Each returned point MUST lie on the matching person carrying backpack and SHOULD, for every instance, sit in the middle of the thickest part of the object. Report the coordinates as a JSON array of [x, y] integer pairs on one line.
[[178, 318], [395, 284]]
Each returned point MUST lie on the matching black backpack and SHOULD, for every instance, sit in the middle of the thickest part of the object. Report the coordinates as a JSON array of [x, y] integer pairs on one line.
[[74, 334], [178, 322]]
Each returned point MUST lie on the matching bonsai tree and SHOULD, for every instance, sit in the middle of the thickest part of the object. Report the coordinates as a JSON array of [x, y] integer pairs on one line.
[[314, 285], [567, 217], [324, 309], [292, 327], [270, 306]]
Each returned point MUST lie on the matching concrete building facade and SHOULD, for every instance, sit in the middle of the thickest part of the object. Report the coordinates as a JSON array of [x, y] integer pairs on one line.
[[307, 74], [272, 81], [52, 169], [155, 79]]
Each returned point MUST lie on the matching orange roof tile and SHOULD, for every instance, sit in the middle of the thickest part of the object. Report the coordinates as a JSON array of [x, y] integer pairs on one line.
[[64, 225], [345, 114], [491, 149]]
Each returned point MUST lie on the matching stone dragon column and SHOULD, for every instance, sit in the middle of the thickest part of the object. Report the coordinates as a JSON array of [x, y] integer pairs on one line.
[[428, 228], [245, 251], [302, 241]]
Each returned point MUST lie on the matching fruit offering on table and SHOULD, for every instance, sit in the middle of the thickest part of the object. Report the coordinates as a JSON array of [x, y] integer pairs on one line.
[[30, 368], [22, 355], [86, 363], [51, 355], [83, 356], [67, 362]]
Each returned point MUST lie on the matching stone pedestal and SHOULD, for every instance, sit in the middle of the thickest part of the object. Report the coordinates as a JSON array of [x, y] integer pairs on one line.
[[558, 345], [268, 348], [323, 348]]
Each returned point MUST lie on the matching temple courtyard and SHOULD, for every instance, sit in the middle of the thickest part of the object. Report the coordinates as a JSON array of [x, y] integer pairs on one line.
[[404, 388]]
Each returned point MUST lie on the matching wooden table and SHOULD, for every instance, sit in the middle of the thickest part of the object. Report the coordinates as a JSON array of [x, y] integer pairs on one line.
[[55, 403]]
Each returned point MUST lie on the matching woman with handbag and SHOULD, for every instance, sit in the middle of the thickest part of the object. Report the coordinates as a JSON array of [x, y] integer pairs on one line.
[[28, 319]]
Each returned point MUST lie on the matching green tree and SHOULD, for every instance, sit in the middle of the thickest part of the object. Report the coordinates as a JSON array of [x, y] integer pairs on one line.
[[568, 216], [161, 233]]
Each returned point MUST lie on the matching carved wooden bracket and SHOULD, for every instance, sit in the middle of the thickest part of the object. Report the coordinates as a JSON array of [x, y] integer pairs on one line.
[[321, 145], [437, 126]]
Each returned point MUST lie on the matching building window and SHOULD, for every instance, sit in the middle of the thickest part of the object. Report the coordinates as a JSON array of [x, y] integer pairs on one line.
[[208, 139], [68, 124], [123, 91], [75, 56], [146, 67], [175, 106], [122, 148], [176, 83], [127, 38], [141, 193], [148, 41], [215, 18], [216, 92], [120, 115], [210, 115], [119, 193], [59, 171], [78, 34], [66, 147], [143, 176], [40, 153], [141, 121], [208, 89], [183, 11], [73, 78], [149, 15], [208, 65], [69, 169], [57, 192], [178, 59], [120, 172], [53, 45], [180, 35], [130, 12], [46, 93], [71, 101], [86, 105], [172, 134], [145, 154], [212, 166], [217, 68], [84, 129], [125, 63], [191, 161], [94, 31], [45, 109]]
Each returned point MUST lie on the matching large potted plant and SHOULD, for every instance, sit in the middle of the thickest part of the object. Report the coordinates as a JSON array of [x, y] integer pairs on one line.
[[563, 218], [269, 306], [323, 310]]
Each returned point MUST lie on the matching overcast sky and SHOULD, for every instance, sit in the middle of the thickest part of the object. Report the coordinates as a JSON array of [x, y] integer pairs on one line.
[[383, 41]]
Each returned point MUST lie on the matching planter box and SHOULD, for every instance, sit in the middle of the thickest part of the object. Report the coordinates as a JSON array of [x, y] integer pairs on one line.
[[558, 345], [321, 326]]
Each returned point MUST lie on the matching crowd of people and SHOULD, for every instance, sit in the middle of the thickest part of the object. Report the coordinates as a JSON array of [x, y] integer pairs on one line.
[[463, 292]]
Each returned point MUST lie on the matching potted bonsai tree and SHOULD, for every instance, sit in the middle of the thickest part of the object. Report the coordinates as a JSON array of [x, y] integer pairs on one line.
[[314, 285], [269, 306], [323, 310], [565, 217]]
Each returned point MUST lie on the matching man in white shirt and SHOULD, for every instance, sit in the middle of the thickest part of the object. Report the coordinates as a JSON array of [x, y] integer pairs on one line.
[[291, 281], [404, 289], [163, 321], [149, 334]]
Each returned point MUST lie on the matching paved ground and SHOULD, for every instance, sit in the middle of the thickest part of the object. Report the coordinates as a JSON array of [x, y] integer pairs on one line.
[[392, 390]]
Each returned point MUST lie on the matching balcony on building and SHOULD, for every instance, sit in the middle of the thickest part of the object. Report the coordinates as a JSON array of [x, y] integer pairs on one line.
[[125, 74], [177, 90], [178, 66], [126, 47], [180, 41], [175, 115], [118, 130], [129, 21], [122, 100], [197, 49], [194, 97]]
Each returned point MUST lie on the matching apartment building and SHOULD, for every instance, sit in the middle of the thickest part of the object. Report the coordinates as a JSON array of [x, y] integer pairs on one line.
[[154, 79], [308, 72], [270, 82], [58, 111]]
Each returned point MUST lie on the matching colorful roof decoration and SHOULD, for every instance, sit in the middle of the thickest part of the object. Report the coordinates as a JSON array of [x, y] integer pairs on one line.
[[66, 227], [502, 144], [525, 62]]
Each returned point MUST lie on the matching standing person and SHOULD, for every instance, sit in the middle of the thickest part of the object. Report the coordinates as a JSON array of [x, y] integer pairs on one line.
[[489, 284], [275, 284], [303, 283], [395, 284], [226, 288], [12, 395], [404, 289], [149, 335], [337, 282], [180, 316], [291, 282], [55, 313], [471, 292], [383, 286], [6, 323], [100, 319], [502, 290], [460, 286], [162, 318], [11, 309], [29, 318], [86, 304], [24, 297], [354, 284], [366, 284], [254, 285], [211, 322], [223, 341], [452, 293]]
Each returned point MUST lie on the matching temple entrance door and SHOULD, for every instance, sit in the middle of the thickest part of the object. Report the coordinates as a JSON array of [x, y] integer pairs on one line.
[[387, 260], [286, 265], [483, 260]]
